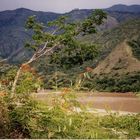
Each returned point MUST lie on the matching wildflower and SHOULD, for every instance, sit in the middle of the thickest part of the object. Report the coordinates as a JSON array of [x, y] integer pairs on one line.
[[2, 94], [26, 68], [5, 82], [66, 90], [81, 75], [88, 69]]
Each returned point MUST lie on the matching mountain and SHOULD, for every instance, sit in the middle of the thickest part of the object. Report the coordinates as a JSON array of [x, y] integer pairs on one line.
[[116, 68], [13, 35], [112, 42], [109, 39], [12, 30], [19, 16], [125, 8]]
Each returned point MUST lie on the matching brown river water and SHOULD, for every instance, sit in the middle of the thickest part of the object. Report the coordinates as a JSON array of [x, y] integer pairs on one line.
[[128, 102], [112, 101]]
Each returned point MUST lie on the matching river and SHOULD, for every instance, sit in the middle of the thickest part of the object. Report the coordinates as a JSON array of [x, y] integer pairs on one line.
[[128, 102]]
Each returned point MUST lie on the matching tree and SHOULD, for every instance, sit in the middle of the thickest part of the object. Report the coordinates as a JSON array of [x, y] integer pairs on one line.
[[56, 35]]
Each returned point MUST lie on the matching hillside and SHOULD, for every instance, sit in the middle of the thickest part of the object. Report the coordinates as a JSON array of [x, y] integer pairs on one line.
[[106, 42], [121, 60], [110, 39], [114, 60], [124, 8], [13, 34]]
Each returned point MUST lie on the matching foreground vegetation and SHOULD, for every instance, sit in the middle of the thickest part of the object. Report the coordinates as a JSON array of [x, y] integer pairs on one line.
[[24, 117]]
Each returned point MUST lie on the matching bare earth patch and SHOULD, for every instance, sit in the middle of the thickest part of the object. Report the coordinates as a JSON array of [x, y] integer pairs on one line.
[[120, 60]]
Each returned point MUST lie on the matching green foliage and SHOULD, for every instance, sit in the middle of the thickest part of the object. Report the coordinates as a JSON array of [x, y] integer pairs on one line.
[[28, 83], [4, 119], [74, 55], [135, 45], [114, 83], [24, 117], [61, 41], [69, 126], [127, 125], [56, 80], [20, 115], [127, 82], [88, 81], [7, 76], [97, 18], [62, 32]]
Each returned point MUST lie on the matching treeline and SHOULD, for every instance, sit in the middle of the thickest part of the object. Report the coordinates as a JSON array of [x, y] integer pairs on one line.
[[129, 82]]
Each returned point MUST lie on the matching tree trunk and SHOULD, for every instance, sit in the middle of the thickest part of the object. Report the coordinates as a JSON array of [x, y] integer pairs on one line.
[[34, 58], [3, 60], [15, 82]]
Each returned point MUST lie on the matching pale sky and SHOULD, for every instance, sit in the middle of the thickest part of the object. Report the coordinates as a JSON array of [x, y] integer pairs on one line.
[[61, 6]]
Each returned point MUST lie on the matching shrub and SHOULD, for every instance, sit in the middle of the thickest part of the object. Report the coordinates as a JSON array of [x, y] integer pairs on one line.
[[4, 119], [114, 83]]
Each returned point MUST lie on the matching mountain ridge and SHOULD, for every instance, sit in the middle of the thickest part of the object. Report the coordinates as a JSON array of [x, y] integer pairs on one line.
[[13, 34], [133, 7], [125, 8]]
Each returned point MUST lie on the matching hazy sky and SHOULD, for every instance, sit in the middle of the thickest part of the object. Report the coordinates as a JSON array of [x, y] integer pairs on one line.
[[61, 5]]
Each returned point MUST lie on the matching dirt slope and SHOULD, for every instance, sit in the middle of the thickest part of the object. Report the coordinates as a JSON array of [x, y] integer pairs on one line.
[[120, 60]]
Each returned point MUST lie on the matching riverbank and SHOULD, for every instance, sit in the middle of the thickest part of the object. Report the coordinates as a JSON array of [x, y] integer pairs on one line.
[[102, 102]]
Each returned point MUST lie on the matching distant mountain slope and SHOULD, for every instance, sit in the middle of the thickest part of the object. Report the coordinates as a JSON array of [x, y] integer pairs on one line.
[[127, 30], [19, 16], [13, 34], [125, 8], [110, 39], [123, 16], [12, 31]]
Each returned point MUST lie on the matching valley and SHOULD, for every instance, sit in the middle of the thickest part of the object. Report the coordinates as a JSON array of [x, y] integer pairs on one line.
[[73, 75]]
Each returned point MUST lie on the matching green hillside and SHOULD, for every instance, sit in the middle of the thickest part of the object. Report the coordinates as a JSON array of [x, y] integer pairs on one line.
[[110, 39], [13, 35], [68, 63], [67, 68]]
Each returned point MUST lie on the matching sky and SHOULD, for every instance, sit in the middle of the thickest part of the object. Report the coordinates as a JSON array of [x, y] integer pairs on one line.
[[61, 6]]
